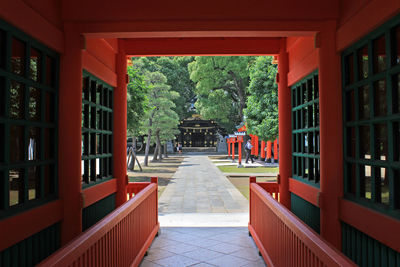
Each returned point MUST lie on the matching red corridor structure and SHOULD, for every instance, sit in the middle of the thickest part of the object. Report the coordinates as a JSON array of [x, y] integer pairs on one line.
[[63, 95]]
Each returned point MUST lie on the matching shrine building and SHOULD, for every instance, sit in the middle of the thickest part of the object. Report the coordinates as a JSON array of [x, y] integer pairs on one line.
[[198, 132]]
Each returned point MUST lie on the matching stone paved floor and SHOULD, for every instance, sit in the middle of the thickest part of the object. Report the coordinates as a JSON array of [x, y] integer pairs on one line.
[[199, 187], [203, 246]]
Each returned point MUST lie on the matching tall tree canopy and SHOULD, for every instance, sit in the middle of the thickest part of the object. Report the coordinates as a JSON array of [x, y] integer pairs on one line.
[[159, 119], [221, 88], [175, 69], [262, 104], [137, 101]]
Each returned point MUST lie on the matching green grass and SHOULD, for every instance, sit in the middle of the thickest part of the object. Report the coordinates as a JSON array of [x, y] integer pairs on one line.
[[235, 169], [242, 184]]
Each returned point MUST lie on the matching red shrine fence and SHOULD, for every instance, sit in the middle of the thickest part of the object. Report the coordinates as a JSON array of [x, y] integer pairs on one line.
[[121, 238], [281, 237]]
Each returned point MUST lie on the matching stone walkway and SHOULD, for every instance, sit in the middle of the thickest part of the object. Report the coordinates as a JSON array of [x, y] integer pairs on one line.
[[203, 246], [203, 210], [199, 187]]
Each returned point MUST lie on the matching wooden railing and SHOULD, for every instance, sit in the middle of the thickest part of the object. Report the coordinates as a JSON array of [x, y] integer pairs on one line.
[[271, 187], [282, 238], [120, 239], [134, 188]]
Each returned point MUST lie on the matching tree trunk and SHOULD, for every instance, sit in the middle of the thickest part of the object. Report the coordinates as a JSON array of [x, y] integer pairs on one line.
[[160, 151], [159, 144], [165, 150], [131, 163], [134, 151], [155, 154], [146, 153]]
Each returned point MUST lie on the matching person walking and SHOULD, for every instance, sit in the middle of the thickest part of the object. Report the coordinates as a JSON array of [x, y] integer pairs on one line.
[[248, 148], [179, 148]]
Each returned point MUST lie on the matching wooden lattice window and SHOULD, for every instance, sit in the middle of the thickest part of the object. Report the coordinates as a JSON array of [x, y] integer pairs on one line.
[[305, 130], [28, 121], [97, 130], [371, 102]]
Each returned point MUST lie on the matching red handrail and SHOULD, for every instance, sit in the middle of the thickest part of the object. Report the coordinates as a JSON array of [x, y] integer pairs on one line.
[[120, 239], [283, 239], [134, 188]]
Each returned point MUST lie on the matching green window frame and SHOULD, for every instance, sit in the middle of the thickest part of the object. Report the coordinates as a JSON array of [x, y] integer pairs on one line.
[[97, 130], [371, 119], [28, 122], [305, 130]]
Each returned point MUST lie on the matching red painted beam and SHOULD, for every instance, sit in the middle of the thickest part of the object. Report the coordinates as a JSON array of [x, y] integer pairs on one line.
[[207, 11], [202, 46], [120, 125], [16, 228], [200, 28], [285, 126], [95, 67], [331, 134], [95, 193], [306, 192], [25, 18], [365, 20], [70, 134], [377, 225]]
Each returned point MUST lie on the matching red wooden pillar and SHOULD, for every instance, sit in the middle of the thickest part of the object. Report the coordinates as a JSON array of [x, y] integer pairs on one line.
[[263, 149], [120, 124], [276, 150], [233, 149], [269, 150], [331, 143], [256, 152], [70, 136], [253, 149], [285, 125], [229, 147]]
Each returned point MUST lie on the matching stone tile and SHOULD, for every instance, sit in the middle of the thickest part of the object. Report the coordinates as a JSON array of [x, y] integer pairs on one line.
[[248, 254], [180, 248], [259, 263], [228, 261], [203, 264], [146, 263], [157, 253], [224, 237], [199, 186], [159, 243], [205, 243], [180, 237], [225, 248], [176, 261], [202, 254]]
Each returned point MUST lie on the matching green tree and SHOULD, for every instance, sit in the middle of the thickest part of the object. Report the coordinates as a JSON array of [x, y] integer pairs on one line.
[[175, 69], [221, 85], [262, 104], [165, 124], [177, 73], [137, 102], [160, 119]]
